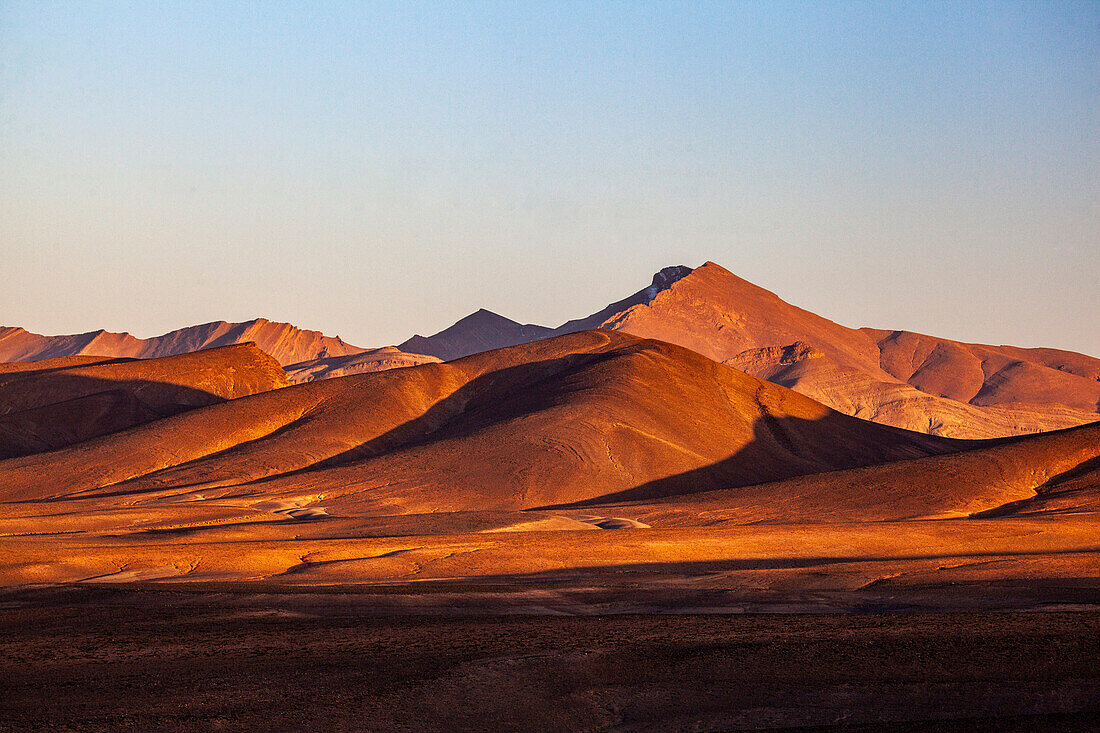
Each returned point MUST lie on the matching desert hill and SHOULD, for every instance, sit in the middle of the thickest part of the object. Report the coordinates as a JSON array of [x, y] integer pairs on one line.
[[898, 378], [52, 403], [559, 420], [370, 360], [288, 344]]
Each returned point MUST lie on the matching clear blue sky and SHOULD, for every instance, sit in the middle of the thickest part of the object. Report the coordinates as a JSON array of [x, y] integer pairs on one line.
[[374, 169]]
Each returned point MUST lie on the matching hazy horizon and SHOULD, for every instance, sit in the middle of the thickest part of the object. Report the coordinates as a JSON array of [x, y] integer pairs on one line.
[[375, 171]]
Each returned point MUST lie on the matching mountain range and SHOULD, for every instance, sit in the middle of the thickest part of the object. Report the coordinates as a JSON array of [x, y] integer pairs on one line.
[[224, 472], [898, 378], [286, 343]]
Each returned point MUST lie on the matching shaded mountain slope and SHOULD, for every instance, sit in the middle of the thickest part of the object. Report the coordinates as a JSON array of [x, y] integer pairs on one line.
[[558, 420], [283, 341], [371, 360], [1051, 472], [57, 402]]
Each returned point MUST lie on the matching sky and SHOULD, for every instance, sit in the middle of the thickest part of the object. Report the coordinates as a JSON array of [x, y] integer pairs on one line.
[[374, 170]]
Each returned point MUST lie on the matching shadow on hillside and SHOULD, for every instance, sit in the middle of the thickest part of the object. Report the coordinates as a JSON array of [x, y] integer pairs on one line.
[[15, 370], [708, 567], [47, 409], [781, 447], [1052, 487], [484, 400]]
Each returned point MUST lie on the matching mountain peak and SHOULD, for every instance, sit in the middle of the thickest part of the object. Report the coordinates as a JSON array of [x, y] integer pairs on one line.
[[664, 279], [482, 330], [483, 317]]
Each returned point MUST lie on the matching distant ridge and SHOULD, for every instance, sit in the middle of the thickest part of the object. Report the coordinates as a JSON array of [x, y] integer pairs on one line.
[[370, 360], [485, 330], [482, 330], [287, 343]]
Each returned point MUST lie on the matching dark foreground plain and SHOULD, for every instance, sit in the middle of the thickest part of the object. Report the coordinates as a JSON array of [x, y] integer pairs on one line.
[[107, 659]]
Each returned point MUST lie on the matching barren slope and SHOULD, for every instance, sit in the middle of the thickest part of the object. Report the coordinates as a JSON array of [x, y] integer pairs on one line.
[[894, 402], [896, 378], [501, 469]]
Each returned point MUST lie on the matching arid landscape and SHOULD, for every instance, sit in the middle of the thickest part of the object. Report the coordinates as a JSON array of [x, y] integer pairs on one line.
[[647, 469], [549, 366]]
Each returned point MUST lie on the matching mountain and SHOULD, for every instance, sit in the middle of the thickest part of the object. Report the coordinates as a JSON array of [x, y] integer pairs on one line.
[[370, 360], [285, 342], [567, 419], [49, 404], [485, 330], [897, 378], [480, 331]]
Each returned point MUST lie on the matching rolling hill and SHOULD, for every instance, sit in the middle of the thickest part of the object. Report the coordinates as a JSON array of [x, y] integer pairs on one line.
[[52, 403]]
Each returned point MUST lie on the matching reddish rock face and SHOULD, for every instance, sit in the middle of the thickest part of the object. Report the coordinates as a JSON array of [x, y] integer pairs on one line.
[[894, 377]]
